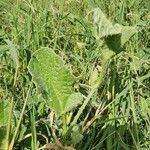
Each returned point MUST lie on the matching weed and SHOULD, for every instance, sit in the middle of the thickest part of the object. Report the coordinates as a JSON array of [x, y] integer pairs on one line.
[[74, 74]]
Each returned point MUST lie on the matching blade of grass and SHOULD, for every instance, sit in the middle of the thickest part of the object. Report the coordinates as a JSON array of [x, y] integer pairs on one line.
[[20, 119]]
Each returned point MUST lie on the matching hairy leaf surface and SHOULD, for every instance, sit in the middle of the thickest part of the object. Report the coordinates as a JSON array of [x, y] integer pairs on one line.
[[116, 35], [53, 79]]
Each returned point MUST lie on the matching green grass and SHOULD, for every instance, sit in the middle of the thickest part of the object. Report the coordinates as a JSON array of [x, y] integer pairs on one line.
[[115, 113]]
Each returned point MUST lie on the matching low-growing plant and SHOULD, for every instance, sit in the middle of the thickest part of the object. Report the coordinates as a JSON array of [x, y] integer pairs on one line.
[[74, 76]]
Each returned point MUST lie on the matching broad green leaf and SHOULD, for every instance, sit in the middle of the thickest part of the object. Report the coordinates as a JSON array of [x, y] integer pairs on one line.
[[115, 35], [103, 26], [53, 80], [126, 33], [107, 54], [116, 42]]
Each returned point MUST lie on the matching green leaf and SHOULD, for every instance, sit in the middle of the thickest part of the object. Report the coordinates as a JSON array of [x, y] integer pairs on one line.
[[3, 139], [105, 28], [93, 78], [115, 35], [145, 110], [4, 117], [102, 26], [74, 100], [127, 32], [116, 42], [76, 135], [107, 54], [3, 49], [13, 52], [4, 112], [53, 80]]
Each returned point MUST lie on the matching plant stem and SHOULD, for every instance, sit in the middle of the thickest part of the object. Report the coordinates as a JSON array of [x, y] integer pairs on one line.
[[99, 81], [9, 124], [82, 108], [11, 110], [19, 122], [64, 124]]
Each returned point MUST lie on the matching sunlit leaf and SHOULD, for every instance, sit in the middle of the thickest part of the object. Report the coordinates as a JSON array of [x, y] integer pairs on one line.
[[127, 32], [103, 26], [74, 100], [53, 80], [93, 78], [115, 35]]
